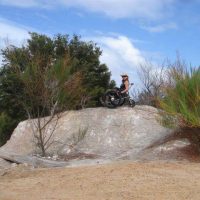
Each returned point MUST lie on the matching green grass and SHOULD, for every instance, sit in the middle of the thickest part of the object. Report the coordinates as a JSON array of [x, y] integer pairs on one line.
[[183, 100]]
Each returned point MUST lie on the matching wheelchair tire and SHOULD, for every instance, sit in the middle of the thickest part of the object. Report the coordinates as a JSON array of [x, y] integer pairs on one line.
[[112, 99]]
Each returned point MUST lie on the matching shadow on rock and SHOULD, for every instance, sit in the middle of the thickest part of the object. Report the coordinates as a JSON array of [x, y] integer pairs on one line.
[[182, 144]]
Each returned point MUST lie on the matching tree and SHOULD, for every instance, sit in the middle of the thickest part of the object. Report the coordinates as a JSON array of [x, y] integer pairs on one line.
[[84, 57], [11, 110], [46, 92], [153, 80], [46, 61], [96, 76]]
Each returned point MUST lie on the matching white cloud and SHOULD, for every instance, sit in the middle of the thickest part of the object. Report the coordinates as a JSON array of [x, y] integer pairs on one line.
[[123, 47], [20, 3], [32, 3], [11, 33], [151, 9], [120, 55], [160, 28]]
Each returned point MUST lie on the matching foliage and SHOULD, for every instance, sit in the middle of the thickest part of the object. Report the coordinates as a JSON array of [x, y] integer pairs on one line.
[[7, 124], [183, 98], [96, 76], [58, 71], [11, 110], [44, 51], [45, 95]]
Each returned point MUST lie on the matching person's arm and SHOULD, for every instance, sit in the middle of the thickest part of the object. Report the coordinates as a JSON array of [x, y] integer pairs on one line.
[[126, 87]]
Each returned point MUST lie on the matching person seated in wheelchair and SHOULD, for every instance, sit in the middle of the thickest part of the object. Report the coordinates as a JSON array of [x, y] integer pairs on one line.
[[125, 85]]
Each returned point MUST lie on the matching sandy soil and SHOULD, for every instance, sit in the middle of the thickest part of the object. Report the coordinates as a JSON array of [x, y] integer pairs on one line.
[[127, 180]]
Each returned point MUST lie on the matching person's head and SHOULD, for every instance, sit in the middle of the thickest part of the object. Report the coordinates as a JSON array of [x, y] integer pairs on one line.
[[124, 76]]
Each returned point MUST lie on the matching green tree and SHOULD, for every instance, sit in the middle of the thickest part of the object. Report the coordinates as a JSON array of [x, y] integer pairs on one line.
[[45, 95], [43, 55], [96, 76], [84, 56], [11, 109]]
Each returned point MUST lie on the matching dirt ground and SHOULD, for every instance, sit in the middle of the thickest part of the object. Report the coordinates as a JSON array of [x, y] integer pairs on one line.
[[124, 181]]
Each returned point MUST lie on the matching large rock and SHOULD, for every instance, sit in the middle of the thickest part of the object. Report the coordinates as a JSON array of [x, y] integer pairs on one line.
[[4, 164], [121, 133]]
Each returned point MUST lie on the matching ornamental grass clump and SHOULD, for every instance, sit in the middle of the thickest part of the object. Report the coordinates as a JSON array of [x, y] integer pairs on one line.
[[183, 99]]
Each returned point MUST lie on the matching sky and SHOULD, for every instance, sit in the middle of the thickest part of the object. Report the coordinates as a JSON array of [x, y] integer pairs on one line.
[[129, 32]]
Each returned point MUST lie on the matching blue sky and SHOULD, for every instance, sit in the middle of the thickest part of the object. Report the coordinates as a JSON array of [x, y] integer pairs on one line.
[[128, 31]]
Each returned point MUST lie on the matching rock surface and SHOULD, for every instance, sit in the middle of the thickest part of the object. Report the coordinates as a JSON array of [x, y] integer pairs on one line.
[[4, 163], [98, 135]]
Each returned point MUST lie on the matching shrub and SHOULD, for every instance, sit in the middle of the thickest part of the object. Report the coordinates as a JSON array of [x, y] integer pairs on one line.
[[7, 124], [183, 100]]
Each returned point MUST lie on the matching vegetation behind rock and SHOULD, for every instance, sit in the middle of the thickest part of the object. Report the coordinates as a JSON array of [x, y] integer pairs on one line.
[[44, 68]]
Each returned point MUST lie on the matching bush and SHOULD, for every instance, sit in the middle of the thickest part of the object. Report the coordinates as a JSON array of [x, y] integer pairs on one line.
[[7, 124], [183, 100]]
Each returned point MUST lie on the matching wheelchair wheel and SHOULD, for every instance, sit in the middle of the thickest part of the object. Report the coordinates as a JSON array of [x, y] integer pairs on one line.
[[122, 101], [132, 103], [112, 98]]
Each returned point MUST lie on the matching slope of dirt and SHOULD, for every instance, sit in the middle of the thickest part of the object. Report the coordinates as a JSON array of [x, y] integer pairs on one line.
[[153, 180]]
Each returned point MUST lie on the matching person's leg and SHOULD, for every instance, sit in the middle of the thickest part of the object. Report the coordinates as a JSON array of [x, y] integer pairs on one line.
[[126, 97]]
